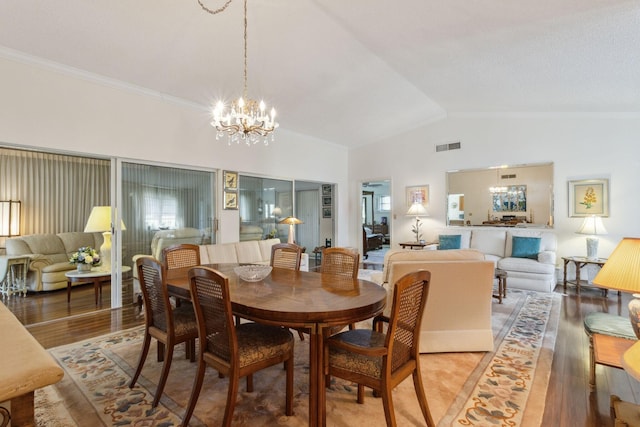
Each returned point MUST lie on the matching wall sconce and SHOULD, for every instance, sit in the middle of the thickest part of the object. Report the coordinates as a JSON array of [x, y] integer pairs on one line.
[[10, 218]]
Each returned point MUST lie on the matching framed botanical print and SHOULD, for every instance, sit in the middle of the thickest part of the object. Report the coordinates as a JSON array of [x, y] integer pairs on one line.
[[230, 200], [589, 197], [230, 180]]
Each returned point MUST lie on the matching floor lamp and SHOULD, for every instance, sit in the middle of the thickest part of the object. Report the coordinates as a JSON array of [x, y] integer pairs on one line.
[[100, 221], [291, 221]]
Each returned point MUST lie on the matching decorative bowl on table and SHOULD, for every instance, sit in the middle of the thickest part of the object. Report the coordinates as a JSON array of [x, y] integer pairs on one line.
[[252, 273]]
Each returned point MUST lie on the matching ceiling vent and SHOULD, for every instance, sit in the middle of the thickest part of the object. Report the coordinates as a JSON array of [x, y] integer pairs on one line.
[[510, 176], [447, 147]]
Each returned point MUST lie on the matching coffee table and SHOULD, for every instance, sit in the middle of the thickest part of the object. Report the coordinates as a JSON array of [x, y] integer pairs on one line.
[[95, 276]]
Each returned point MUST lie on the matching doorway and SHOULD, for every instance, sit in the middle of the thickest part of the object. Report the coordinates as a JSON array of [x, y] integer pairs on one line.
[[375, 214]]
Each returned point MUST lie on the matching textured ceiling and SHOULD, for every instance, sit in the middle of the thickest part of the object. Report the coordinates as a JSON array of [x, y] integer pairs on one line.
[[354, 71]]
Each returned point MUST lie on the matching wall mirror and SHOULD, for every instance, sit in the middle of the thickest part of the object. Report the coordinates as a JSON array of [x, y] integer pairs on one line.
[[515, 195]]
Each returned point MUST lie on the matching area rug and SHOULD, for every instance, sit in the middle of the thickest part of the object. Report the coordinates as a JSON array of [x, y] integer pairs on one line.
[[504, 387]]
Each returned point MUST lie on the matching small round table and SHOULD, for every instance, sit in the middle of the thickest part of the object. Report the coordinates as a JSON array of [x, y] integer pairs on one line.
[[95, 276]]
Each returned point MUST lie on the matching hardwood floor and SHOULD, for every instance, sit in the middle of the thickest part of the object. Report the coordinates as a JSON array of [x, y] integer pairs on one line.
[[569, 402]]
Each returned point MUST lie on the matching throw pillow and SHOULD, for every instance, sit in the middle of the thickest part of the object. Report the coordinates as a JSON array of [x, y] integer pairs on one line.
[[449, 241], [525, 247]]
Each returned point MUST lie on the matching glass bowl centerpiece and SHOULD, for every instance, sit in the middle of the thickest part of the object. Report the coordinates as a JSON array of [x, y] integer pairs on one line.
[[85, 258], [252, 273]]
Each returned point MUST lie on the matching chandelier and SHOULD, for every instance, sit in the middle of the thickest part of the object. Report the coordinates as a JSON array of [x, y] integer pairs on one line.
[[246, 119]]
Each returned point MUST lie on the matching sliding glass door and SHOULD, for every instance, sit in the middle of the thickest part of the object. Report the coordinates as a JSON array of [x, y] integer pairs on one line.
[[162, 206]]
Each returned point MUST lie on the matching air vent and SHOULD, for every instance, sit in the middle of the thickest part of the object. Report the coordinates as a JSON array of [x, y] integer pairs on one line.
[[447, 147], [510, 176]]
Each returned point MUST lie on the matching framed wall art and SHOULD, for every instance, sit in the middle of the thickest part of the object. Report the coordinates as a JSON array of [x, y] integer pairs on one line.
[[230, 200], [326, 189], [418, 194], [230, 180], [326, 212], [589, 197]]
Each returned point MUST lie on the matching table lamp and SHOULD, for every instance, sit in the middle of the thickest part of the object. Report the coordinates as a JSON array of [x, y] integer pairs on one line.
[[417, 210], [592, 226], [100, 221], [622, 272], [291, 221], [10, 218]]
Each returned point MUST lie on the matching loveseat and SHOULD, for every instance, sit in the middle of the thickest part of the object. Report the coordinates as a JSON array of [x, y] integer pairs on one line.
[[529, 267], [49, 254], [457, 317]]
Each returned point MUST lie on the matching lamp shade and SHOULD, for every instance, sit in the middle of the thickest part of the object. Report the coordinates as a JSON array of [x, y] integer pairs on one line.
[[592, 225], [622, 270], [9, 218], [417, 209], [100, 220], [291, 220]]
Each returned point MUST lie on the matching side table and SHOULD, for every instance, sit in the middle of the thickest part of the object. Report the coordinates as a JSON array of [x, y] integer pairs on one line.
[[95, 276], [579, 262], [415, 245], [501, 275], [15, 279]]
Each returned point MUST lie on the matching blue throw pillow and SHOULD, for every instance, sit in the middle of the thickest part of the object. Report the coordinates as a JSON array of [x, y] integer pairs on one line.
[[525, 247], [449, 241]]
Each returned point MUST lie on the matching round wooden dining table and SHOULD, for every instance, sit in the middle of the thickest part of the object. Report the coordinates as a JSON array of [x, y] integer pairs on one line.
[[298, 299]]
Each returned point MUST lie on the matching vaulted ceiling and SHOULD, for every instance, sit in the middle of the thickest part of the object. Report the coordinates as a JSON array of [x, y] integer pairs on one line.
[[348, 71]]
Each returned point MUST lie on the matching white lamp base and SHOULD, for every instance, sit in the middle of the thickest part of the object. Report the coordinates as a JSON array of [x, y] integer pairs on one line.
[[592, 247], [105, 251], [291, 236]]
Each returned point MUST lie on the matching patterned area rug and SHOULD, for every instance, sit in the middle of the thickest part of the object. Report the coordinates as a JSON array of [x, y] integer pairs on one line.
[[504, 387]]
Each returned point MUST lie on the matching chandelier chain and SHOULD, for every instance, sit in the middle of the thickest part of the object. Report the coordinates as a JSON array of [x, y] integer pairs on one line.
[[244, 93], [216, 11]]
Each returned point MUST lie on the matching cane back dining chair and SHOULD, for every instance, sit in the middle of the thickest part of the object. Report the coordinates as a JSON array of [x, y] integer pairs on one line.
[[380, 360], [286, 255], [234, 351], [340, 262], [180, 256], [169, 326]]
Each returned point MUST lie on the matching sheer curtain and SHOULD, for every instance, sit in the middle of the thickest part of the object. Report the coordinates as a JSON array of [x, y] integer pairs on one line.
[[158, 198], [57, 191]]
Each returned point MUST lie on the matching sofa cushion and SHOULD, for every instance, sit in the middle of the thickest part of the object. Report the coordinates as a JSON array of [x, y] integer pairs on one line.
[[527, 265], [75, 240], [450, 241], [489, 241], [248, 252], [525, 247], [218, 254], [465, 235]]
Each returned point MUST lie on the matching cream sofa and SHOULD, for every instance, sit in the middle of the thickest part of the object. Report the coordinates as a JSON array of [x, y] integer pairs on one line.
[[496, 243], [49, 254], [247, 252], [457, 317]]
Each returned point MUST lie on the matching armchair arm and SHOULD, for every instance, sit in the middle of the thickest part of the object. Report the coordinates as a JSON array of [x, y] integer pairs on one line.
[[38, 262]]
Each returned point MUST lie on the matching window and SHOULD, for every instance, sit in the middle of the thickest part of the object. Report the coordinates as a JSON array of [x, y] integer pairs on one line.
[[384, 203]]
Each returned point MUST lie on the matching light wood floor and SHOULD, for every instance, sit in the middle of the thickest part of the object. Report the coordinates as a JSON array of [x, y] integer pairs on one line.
[[569, 401]]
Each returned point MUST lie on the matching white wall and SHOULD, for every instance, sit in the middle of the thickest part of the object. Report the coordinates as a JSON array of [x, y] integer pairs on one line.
[[50, 109], [579, 146]]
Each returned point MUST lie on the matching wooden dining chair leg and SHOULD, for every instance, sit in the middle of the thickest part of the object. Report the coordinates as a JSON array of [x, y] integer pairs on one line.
[[232, 395], [160, 351], [192, 350], [387, 404], [250, 383], [195, 392], [422, 398], [143, 356], [164, 374], [360, 394]]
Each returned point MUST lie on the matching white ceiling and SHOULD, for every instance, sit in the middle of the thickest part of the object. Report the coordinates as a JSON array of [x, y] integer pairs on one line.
[[350, 71]]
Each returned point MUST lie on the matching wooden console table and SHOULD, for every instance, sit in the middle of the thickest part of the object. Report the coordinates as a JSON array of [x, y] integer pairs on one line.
[[414, 245]]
